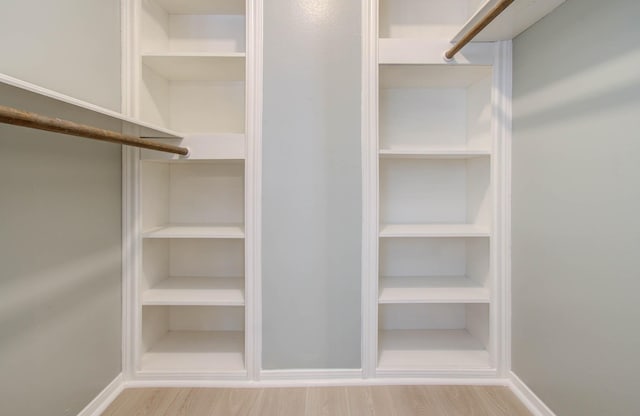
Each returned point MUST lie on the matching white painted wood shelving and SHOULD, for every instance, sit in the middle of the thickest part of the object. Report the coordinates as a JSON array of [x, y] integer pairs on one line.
[[434, 178], [435, 189], [191, 60]]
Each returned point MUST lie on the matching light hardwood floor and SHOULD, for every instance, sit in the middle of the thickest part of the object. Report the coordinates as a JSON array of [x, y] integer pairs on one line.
[[320, 401]]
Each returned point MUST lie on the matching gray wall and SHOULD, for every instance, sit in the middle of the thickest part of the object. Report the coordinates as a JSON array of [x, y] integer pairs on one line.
[[60, 226], [311, 184], [69, 46], [576, 208]]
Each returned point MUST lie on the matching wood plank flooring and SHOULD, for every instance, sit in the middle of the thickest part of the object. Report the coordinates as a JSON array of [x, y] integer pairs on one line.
[[320, 401]]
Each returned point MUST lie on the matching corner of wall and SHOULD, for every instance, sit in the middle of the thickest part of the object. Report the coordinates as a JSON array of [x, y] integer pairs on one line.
[[100, 403], [535, 405]]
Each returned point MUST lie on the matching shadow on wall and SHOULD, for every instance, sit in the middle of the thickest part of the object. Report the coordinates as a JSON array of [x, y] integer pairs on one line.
[[61, 277], [575, 96], [56, 293]]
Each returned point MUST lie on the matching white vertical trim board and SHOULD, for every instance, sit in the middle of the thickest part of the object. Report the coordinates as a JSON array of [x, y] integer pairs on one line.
[[129, 315], [528, 397], [125, 57], [128, 193], [253, 220], [364, 136], [248, 186], [135, 255], [502, 173], [369, 188], [374, 170], [104, 398]]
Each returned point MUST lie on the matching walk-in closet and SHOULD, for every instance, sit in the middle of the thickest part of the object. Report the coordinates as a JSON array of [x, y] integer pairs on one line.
[[319, 207]]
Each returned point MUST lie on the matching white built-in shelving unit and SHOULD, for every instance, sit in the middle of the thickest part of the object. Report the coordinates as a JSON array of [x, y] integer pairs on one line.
[[191, 76], [433, 161], [435, 190]]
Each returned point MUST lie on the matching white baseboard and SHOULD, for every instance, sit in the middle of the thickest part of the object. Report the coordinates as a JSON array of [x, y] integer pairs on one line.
[[104, 398], [334, 375], [311, 378], [528, 397], [346, 380], [268, 378]]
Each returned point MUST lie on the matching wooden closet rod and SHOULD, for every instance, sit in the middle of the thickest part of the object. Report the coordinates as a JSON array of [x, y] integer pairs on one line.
[[16, 117], [477, 28]]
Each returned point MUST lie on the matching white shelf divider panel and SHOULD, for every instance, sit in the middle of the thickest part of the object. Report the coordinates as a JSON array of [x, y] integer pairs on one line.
[[434, 349], [196, 231], [197, 66], [434, 230], [196, 291], [451, 153], [510, 23], [196, 352], [432, 289]]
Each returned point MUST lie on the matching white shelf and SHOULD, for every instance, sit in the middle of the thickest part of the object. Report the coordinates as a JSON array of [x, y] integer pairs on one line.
[[431, 349], [442, 289], [433, 230], [432, 76], [33, 98], [202, 6], [510, 23], [197, 66], [196, 352], [204, 146], [428, 51], [196, 231], [196, 291], [433, 153]]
